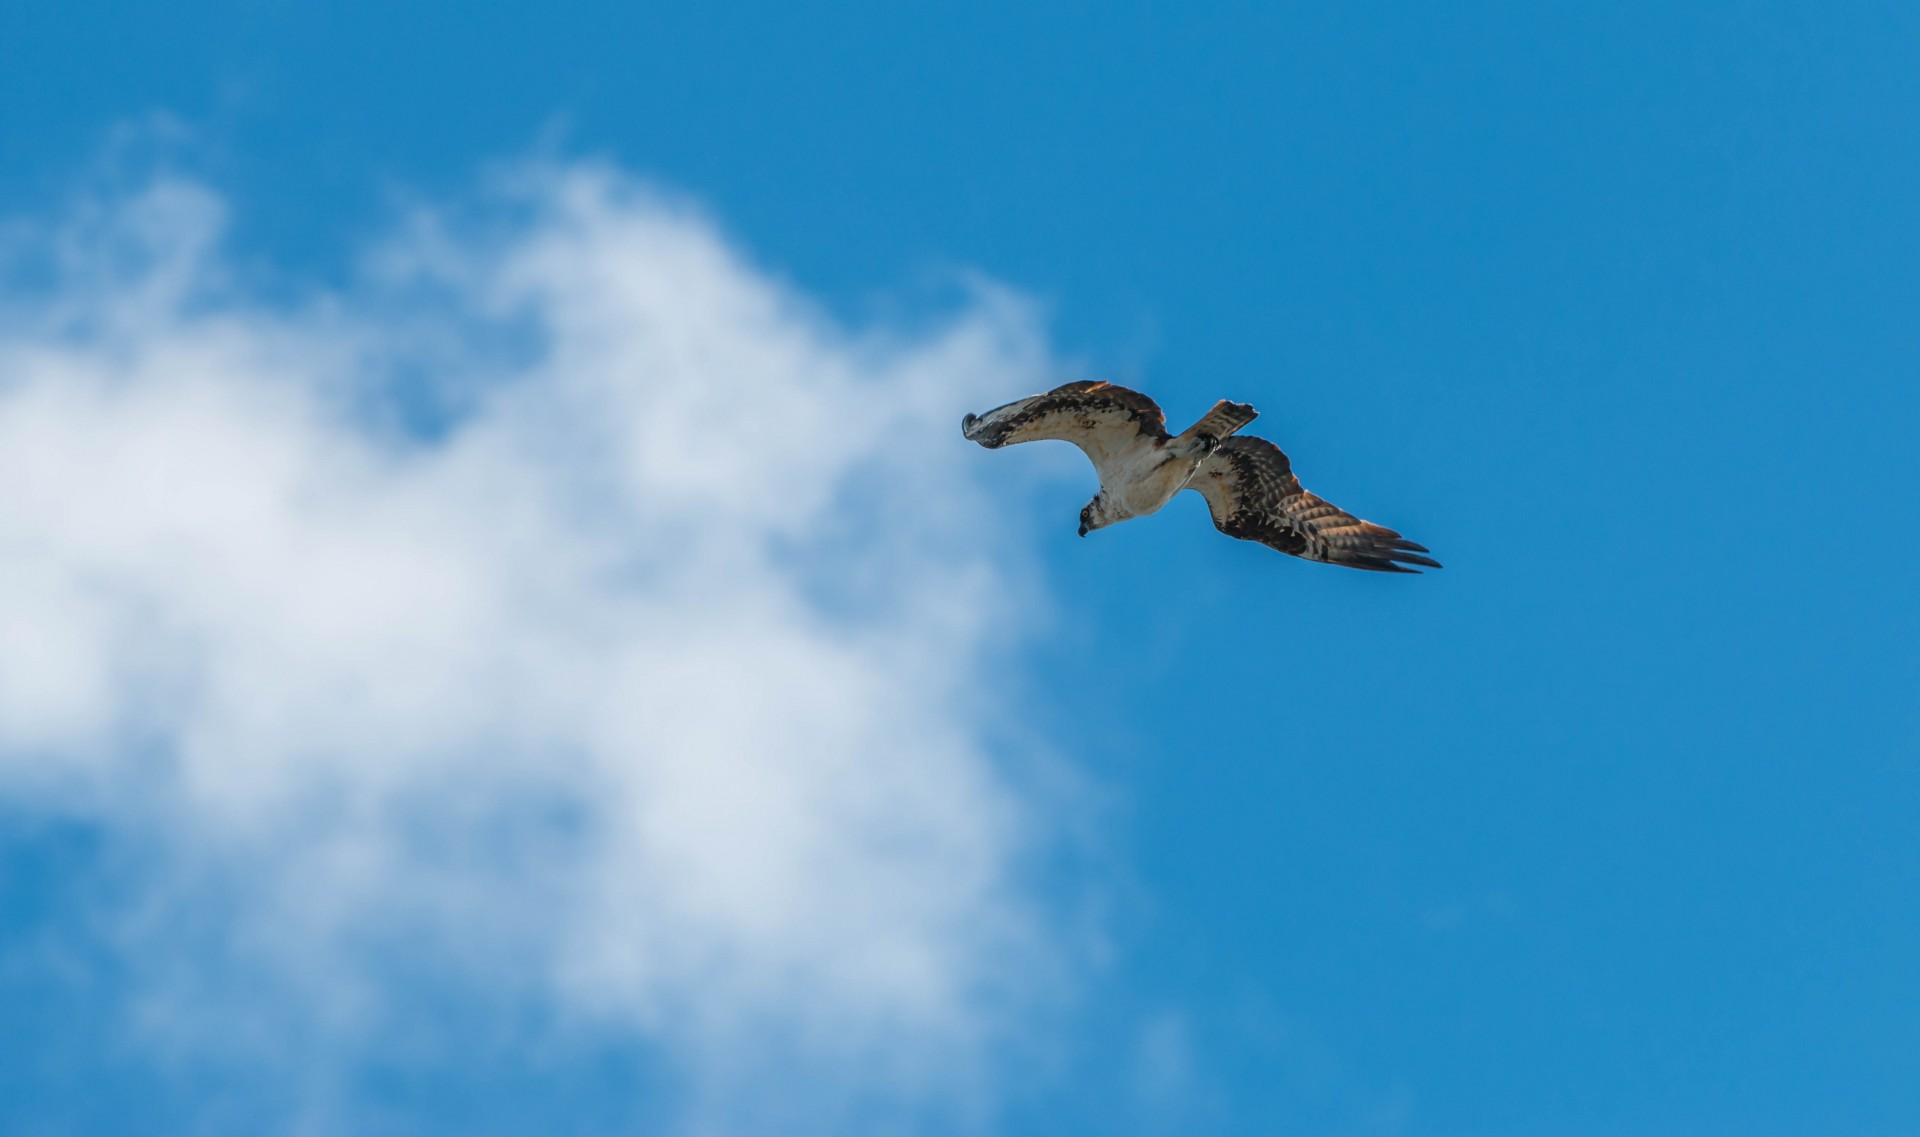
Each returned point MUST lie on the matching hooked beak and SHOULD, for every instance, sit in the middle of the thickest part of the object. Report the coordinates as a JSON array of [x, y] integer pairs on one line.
[[1083, 528]]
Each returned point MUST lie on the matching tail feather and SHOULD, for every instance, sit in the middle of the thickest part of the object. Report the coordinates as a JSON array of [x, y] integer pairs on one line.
[[1225, 418]]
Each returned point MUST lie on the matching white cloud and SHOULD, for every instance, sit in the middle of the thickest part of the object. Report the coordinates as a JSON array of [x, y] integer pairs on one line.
[[651, 683]]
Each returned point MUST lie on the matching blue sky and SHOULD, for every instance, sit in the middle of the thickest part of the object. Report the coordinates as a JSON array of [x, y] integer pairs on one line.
[[1604, 829]]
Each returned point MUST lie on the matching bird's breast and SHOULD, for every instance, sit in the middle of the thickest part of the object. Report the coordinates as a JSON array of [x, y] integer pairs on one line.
[[1150, 481]]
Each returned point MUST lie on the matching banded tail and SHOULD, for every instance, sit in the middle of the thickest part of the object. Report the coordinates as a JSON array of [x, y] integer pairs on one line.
[[1218, 423]]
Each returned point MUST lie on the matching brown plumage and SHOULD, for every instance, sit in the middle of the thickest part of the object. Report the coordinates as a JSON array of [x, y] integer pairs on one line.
[[1070, 412], [1248, 482], [1253, 495]]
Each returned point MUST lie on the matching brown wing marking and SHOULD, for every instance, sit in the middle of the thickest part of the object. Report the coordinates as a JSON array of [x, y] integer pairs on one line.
[[1253, 495], [1098, 417]]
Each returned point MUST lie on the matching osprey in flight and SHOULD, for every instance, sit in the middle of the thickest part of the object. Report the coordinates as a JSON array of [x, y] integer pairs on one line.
[[1248, 482]]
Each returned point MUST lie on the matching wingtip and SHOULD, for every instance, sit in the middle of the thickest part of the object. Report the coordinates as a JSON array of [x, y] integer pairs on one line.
[[1408, 552]]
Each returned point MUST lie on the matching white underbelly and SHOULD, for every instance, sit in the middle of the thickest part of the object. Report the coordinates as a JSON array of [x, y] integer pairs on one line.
[[1150, 482]]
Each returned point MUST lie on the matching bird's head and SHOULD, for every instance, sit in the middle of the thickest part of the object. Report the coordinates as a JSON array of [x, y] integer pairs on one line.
[[1095, 516]]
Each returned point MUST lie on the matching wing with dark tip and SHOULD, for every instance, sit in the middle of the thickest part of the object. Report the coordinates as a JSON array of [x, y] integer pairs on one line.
[[1104, 420], [1253, 495]]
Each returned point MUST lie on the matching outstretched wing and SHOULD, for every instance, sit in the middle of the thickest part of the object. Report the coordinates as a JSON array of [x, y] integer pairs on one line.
[[1253, 495], [1104, 420]]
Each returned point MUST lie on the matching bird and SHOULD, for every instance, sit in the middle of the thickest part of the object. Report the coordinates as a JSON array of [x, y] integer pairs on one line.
[[1248, 482]]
